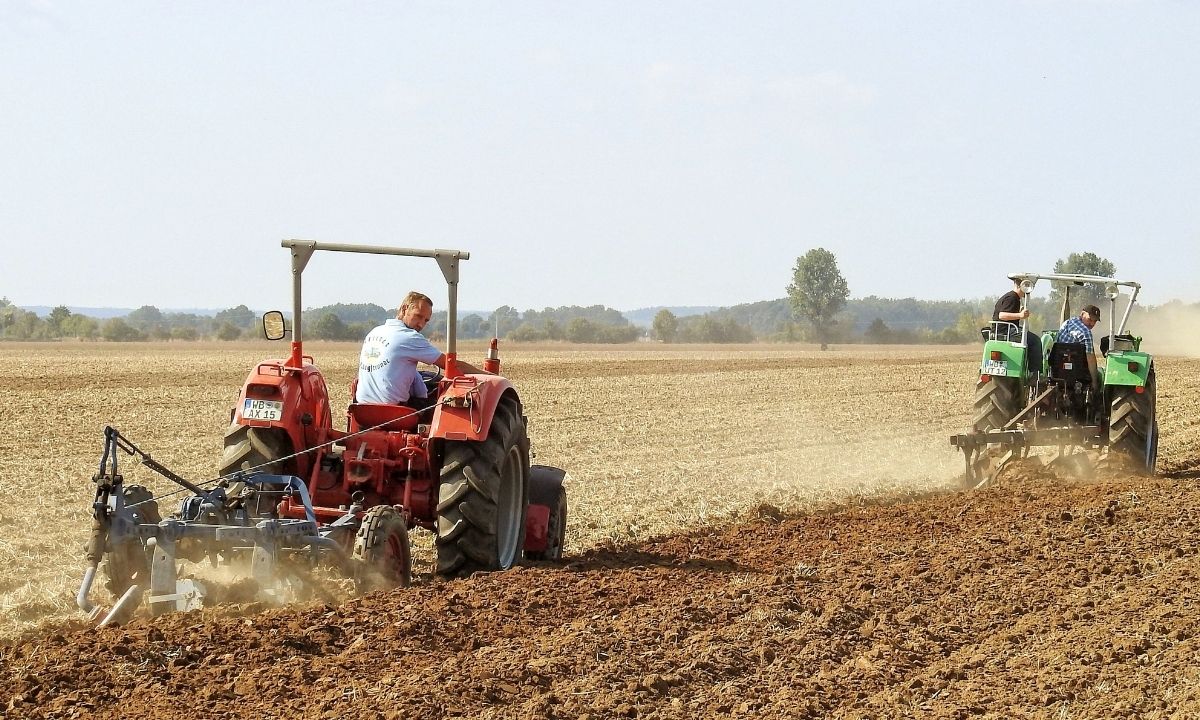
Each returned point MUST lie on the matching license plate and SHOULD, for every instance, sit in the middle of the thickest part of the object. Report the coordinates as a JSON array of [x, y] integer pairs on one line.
[[262, 409], [995, 367]]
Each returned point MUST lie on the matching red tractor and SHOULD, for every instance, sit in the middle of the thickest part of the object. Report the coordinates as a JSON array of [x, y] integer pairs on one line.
[[295, 489], [460, 468]]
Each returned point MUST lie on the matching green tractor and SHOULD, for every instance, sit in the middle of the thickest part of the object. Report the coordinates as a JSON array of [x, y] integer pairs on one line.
[[1063, 398]]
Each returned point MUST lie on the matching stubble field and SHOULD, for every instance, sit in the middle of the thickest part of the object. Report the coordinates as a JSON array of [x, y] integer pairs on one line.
[[759, 530]]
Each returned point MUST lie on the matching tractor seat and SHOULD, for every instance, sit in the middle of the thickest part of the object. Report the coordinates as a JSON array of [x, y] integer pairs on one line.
[[1069, 362], [367, 415], [1123, 342]]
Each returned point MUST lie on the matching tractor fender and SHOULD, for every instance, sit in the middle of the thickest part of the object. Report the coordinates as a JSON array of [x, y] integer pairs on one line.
[[545, 486], [1002, 359], [1127, 367], [466, 406], [305, 416]]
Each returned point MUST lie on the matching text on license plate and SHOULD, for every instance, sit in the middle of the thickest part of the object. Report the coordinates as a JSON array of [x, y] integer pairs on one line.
[[995, 367], [262, 409]]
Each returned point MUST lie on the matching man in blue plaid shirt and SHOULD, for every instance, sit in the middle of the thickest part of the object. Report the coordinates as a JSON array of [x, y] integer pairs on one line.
[[1079, 330]]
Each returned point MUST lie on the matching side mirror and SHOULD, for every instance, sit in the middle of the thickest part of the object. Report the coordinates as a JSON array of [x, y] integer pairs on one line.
[[273, 325]]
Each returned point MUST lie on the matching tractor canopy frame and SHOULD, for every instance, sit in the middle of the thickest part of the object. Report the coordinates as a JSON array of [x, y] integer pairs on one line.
[[447, 260], [1112, 290]]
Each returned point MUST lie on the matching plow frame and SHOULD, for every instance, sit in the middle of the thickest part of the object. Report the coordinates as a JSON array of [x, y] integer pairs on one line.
[[216, 520], [987, 452]]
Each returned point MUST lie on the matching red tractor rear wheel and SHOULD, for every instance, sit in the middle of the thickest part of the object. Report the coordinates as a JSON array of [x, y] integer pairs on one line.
[[482, 497], [251, 447]]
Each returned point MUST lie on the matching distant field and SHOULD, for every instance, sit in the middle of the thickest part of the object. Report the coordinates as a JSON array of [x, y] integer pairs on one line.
[[654, 437]]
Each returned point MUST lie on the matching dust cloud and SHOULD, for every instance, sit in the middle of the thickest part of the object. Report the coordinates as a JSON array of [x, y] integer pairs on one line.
[[1171, 329]]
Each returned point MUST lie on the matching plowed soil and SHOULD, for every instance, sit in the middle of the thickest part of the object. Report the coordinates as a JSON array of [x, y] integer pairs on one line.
[[1039, 596]]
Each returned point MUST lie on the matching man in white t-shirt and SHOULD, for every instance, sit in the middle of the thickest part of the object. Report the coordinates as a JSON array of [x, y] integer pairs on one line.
[[387, 365]]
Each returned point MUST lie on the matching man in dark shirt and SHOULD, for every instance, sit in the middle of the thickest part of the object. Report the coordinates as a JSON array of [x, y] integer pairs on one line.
[[1008, 309]]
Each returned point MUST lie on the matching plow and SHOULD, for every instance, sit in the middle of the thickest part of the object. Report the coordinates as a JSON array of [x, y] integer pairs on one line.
[[295, 493], [1061, 399]]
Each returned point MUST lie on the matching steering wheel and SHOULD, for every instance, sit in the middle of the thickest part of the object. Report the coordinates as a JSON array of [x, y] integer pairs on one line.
[[431, 378]]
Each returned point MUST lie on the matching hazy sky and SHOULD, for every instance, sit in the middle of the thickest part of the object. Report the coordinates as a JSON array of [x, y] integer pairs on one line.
[[619, 153]]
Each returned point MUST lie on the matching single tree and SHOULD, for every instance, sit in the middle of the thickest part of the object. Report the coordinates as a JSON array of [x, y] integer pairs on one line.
[[58, 320], [818, 291], [665, 326]]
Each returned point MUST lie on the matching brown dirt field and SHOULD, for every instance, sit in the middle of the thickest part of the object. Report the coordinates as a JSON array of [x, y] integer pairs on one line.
[[761, 531]]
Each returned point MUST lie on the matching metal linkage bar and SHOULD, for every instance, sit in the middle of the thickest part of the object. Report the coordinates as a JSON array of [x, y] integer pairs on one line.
[[1084, 435], [1028, 408], [113, 438]]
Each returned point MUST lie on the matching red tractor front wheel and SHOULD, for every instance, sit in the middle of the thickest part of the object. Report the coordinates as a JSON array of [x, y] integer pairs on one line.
[[381, 550]]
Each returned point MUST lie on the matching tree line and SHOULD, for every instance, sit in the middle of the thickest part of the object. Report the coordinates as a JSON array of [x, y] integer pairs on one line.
[[817, 309], [144, 323], [593, 324]]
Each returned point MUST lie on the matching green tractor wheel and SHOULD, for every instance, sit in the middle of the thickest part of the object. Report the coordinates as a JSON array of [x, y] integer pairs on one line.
[[1133, 428], [996, 402]]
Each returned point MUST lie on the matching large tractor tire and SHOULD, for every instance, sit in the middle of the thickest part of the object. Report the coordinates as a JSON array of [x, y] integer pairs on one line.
[[128, 563], [996, 402], [1133, 427], [251, 447], [546, 488], [482, 497], [382, 553]]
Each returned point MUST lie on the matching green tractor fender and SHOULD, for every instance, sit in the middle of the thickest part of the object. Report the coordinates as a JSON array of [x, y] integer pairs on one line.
[[1127, 368], [1002, 359]]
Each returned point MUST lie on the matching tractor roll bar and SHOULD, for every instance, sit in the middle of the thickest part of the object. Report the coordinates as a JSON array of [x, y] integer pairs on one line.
[[1112, 288], [302, 251]]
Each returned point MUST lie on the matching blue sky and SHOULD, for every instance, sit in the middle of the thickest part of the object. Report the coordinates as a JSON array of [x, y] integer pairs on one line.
[[619, 153]]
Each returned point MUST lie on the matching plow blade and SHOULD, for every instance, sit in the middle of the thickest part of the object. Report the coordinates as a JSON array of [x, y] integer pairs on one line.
[[987, 452]]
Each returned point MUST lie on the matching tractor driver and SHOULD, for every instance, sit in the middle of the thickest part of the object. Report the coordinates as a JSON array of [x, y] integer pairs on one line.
[[1008, 309], [1079, 330], [387, 365]]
